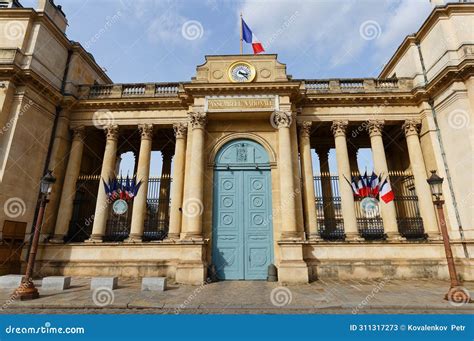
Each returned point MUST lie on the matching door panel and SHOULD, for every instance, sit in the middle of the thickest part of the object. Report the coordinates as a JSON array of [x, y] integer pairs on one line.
[[227, 232], [242, 242], [257, 228]]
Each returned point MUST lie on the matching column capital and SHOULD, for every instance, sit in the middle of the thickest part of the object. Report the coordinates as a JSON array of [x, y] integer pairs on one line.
[[112, 132], [375, 127], [146, 131], [79, 133], [305, 128], [180, 130], [411, 127], [198, 120], [281, 119], [339, 127]]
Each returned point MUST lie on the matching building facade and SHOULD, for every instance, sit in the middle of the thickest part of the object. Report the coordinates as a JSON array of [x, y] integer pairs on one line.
[[237, 191]]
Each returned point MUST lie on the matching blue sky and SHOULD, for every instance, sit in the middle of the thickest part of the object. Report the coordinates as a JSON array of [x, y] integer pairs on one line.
[[161, 41], [143, 41]]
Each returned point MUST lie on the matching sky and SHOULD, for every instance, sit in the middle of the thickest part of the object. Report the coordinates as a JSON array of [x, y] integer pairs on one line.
[[163, 40]]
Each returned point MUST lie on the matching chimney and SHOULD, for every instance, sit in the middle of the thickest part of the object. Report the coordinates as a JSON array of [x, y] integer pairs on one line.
[[54, 12], [438, 2]]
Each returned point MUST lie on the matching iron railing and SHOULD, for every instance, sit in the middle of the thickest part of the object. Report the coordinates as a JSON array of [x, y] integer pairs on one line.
[[118, 226], [370, 226]]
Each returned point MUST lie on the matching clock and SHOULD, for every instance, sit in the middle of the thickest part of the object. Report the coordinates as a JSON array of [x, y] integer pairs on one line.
[[241, 72]]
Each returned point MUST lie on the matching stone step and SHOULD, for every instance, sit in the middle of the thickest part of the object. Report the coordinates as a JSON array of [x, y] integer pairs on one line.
[[154, 284]]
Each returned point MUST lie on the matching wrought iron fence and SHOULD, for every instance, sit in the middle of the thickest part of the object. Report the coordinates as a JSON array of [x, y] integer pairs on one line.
[[370, 224], [118, 226], [328, 207]]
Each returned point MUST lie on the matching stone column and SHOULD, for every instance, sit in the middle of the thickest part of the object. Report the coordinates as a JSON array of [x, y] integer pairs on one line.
[[353, 158], [343, 168], [326, 188], [143, 174], [388, 211], [69, 187], [193, 206], [422, 188], [178, 180], [309, 204], [108, 171], [289, 228], [165, 181]]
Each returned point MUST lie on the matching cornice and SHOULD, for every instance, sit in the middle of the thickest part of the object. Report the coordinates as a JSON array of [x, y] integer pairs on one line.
[[171, 103], [211, 88], [437, 13]]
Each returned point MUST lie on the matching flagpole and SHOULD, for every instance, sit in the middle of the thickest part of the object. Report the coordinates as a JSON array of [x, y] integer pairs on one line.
[[241, 38]]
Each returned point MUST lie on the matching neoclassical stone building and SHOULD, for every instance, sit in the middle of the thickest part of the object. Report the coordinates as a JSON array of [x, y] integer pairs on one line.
[[239, 141]]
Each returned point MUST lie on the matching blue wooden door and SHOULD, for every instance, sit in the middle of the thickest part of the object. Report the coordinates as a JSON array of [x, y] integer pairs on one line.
[[242, 228]]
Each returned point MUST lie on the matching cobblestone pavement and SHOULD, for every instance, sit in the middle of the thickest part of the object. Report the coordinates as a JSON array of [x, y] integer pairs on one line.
[[239, 297]]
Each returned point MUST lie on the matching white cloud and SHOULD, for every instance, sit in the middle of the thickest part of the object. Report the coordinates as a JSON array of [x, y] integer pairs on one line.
[[329, 30]]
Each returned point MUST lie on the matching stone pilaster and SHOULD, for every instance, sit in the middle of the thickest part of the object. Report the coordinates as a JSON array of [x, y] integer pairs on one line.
[[108, 171], [143, 174], [388, 211], [180, 130], [344, 170], [69, 187], [427, 212]]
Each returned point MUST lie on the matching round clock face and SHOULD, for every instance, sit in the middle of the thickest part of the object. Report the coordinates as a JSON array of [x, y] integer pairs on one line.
[[241, 72]]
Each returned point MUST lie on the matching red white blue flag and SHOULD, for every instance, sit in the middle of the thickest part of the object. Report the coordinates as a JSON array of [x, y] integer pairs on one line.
[[250, 38]]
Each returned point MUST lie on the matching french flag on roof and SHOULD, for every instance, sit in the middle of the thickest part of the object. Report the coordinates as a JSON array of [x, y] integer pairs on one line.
[[250, 38]]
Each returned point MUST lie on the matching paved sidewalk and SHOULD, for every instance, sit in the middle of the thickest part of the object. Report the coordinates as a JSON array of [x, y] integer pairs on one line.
[[322, 296]]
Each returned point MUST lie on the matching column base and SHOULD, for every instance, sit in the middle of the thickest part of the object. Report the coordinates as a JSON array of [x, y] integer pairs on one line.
[[173, 236], [434, 237], [314, 237], [57, 239], [292, 235], [192, 236], [133, 239], [394, 237], [94, 239], [353, 237]]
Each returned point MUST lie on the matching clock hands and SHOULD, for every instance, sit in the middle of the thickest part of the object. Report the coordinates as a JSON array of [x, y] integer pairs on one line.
[[243, 73]]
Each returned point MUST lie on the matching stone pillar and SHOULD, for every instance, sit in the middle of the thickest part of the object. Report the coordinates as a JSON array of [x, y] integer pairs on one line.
[[165, 181], [58, 164], [178, 180], [289, 228], [344, 170], [69, 187], [309, 204], [422, 188], [193, 206], [388, 211], [326, 188], [143, 174], [108, 171], [353, 158]]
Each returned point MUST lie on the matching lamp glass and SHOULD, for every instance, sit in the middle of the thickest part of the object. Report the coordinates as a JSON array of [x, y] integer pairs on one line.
[[436, 184]]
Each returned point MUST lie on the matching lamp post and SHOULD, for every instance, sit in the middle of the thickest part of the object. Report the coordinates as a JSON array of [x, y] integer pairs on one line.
[[456, 293], [27, 290]]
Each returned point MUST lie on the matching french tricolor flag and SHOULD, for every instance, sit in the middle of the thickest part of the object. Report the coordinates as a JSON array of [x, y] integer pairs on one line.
[[250, 38]]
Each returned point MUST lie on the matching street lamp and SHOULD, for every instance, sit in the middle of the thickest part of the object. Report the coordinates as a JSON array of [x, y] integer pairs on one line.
[[455, 293], [27, 290]]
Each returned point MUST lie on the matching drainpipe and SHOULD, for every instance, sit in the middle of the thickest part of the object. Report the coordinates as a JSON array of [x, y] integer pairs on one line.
[[50, 145], [443, 155]]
